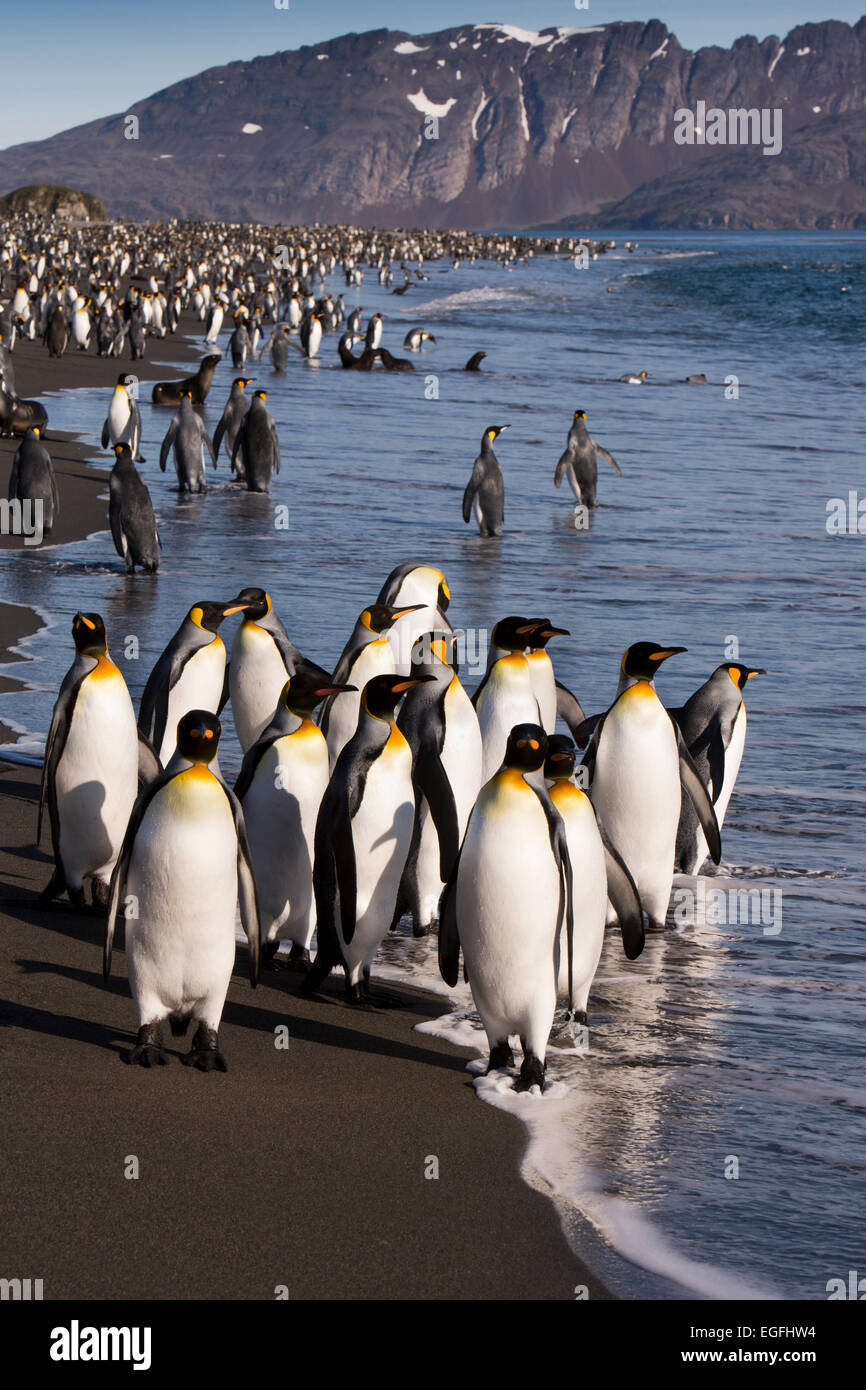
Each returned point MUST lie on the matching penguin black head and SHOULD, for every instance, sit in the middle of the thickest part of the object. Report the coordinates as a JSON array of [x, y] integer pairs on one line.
[[307, 688], [198, 736], [544, 630], [561, 755], [642, 660], [382, 694], [440, 646], [124, 379], [255, 602], [260, 396], [514, 634], [88, 634], [526, 748], [740, 674], [243, 381], [492, 433], [380, 616], [208, 615], [123, 453], [580, 415]]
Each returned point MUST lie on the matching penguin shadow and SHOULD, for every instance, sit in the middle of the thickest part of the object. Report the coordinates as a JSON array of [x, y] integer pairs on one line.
[[14, 1014], [58, 916]]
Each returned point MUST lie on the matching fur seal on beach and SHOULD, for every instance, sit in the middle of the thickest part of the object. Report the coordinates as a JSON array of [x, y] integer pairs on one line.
[[130, 514], [186, 863], [171, 392], [505, 904], [18, 416], [486, 488]]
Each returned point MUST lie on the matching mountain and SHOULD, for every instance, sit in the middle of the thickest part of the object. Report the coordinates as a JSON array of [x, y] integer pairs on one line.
[[568, 124], [47, 200]]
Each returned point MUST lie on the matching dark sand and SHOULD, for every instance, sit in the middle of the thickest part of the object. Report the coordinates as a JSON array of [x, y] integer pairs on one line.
[[302, 1167]]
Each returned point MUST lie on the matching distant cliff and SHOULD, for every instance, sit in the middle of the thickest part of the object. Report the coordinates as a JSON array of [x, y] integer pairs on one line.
[[49, 200], [486, 126]]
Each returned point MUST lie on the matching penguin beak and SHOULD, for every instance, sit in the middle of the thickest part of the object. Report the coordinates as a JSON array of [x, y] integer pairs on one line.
[[757, 671], [413, 608], [235, 607], [402, 686], [668, 651], [333, 690], [554, 632]]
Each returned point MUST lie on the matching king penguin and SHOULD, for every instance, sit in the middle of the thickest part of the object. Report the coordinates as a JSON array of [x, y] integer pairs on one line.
[[639, 765], [263, 657], [123, 422], [130, 514], [505, 904], [407, 586], [713, 724], [485, 489], [185, 863], [281, 785], [91, 767], [505, 697], [231, 419], [190, 440], [598, 873], [367, 653], [190, 674], [256, 450], [579, 463], [363, 834]]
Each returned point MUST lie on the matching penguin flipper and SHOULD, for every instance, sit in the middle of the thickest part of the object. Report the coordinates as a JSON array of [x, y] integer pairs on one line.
[[624, 898], [166, 444], [559, 849], [149, 766], [114, 515], [584, 732], [247, 898], [347, 869], [560, 468], [105, 435], [61, 720], [608, 458], [276, 443], [569, 710], [700, 797], [218, 437], [117, 886], [432, 780], [471, 489], [449, 936]]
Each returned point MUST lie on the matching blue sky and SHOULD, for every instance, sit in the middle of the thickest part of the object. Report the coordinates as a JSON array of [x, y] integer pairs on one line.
[[65, 64]]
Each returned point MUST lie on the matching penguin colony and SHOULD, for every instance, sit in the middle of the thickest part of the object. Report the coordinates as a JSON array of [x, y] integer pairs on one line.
[[374, 786]]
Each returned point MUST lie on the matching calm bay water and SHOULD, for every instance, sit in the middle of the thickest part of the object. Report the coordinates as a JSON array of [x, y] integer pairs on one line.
[[722, 1041]]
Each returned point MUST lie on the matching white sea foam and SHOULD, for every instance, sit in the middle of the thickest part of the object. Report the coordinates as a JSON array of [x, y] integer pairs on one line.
[[482, 297]]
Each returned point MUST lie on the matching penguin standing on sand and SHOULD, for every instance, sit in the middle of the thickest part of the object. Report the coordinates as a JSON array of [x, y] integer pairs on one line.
[[505, 905], [263, 658], [185, 862], [363, 834], [440, 725], [281, 785], [256, 450], [485, 488], [231, 419], [91, 768], [32, 478], [713, 724], [639, 766], [190, 674], [190, 441], [123, 422], [598, 873], [578, 464], [57, 333], [367, 653], [130, 514]]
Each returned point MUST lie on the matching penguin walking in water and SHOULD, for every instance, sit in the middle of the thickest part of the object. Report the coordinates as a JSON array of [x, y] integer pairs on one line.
[[263, 658], [373, 336], [190, 440], [363, 834], [256, 450], [505, 904], [713, 724], [485, 488], [240, 346], [416, 338], [198, 386], [231, 419], [91, 768], [579, 463], [190, 674], [123, 421], [281, 785], [186, 863], [598, 873], [310, 335], [130, 514], [407, 586], [367, 653], [440, 725], [33, 480], [506, 696], [639, 766]]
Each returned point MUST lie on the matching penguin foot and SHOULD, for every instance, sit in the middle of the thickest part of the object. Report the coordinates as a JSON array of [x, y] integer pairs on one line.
[[420, 929], [77, 898], [299, 959], [148, 1050], [501, 1057], [205, 1053], [99, 893], [531, 1073]]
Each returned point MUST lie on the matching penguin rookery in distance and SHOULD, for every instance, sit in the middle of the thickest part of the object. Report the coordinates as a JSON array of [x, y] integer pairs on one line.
[[263, 657], [505, 904], [91, 767], [363, 834], [236, 408], [172, 392], [123, 422], [639, 765], [32, 478], [257, 447], [281, 785], [367, 653], [190, 440], [130, 514], [713, 724], [441, 727], [184, 865], [578, 463], [598, 873], [190, 674], [485, 488]]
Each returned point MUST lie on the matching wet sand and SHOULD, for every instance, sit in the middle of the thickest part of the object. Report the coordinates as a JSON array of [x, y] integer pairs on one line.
[[302, 1167]]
